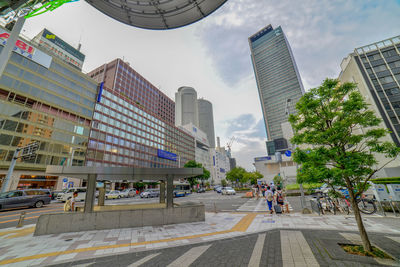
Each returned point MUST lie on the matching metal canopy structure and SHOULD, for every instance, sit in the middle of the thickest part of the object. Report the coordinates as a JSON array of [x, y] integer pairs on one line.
[[124, 173], [92, 174], [157, 14]]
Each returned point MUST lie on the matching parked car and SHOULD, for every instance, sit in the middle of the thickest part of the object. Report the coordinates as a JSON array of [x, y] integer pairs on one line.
[[150, 193], [179, 193], [113, 194], [25, 198], [201, 190], [219, 189], [54, 194], [216, 187], [70, 191], [131, 192], [228, 191]]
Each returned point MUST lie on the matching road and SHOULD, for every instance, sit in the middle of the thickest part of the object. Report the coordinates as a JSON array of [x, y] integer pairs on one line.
[[211, 200]]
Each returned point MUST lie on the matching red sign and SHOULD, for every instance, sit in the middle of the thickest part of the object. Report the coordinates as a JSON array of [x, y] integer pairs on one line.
[[20, 46]]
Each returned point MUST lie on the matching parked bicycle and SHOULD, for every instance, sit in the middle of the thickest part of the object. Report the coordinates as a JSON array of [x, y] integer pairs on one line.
[[365, 205]]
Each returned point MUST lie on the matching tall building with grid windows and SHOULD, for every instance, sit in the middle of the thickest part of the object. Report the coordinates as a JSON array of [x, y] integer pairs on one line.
[[376, 70], [120, 77], [43, 99], [278, 81], [126, 132]]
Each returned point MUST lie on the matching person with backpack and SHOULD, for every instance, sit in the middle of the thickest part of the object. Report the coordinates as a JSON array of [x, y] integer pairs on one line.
[[70, 203], [280, 199], [269, 196]]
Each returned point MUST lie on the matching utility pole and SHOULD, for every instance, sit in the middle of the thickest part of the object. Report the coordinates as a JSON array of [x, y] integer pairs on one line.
[[302, 197]]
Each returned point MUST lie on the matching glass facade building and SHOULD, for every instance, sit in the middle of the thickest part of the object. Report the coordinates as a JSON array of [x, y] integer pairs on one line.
[[277, 77], [118, 76], [133, 123], [124, 134], [53, 106], [379, 64]]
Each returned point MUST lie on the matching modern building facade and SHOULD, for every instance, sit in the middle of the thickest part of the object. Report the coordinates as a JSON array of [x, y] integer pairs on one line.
[[376, 70], [278, 80], [186, 108], [269, 168], [119, 76], [206, 119], [45, 100], [125, 133], [57, 47], [202, 147]]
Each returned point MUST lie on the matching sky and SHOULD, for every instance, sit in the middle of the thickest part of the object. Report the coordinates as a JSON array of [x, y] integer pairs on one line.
[[213, 55]]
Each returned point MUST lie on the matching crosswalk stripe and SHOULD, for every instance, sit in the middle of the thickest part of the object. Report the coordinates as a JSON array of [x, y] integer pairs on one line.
[[189, 257], [255, 205], [257, 251], [295, 250], [144, 260]]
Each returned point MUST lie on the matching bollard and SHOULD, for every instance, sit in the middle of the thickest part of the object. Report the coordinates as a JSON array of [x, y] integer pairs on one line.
[[21, 220]]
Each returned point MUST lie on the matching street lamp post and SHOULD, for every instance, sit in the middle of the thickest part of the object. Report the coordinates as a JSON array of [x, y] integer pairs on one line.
[[302, 198]]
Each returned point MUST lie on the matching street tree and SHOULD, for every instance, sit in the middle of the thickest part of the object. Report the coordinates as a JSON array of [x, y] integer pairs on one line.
[[278, 180], [224, 183], [202, 177], [237, 175], [339, 138]]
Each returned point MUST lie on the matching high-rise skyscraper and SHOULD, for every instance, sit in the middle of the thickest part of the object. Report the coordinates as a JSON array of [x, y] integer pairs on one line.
[[206, 120], [186, 110], [278, 81], [376, 70]]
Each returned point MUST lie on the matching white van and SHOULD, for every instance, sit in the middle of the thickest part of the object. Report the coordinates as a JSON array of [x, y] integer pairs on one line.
[[69, 192]]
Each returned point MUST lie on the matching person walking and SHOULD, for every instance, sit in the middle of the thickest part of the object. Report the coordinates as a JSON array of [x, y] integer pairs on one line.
[[280, 198], [269, 196]]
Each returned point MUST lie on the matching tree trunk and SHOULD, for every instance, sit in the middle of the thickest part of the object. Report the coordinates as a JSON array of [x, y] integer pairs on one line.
[[364, 237]]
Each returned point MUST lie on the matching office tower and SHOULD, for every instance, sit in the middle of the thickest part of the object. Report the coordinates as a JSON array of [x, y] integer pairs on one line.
[[206, 120], [376, 70], [120, 77], [45, 100], [278, 81], [126, 133], [186, 109]]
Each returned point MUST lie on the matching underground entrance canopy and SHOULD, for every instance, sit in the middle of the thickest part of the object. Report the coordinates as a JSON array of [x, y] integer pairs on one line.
[[157, 15]]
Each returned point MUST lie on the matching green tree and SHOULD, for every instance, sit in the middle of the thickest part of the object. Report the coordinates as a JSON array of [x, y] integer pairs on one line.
[[278, 180], [194, 180], [224, 183], [237, 175], [328, 122]]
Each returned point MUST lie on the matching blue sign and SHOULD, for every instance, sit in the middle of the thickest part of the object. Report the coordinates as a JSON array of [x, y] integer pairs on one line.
[[262, 158], [100, 92], [214, 160], [288, 153], [222, 170], [65, 180], [194, 129], [166, 155], [70, 184]]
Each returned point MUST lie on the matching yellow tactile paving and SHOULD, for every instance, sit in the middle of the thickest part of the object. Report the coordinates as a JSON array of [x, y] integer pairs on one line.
[[241, 226]]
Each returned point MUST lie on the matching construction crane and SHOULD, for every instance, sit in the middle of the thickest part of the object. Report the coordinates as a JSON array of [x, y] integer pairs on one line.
[[229, 145]]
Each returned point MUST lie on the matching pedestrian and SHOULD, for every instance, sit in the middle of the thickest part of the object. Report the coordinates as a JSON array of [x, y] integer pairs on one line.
[[280, 199], [273, 188], [70, 203], [263, 189], [254, 190], [269, 196]]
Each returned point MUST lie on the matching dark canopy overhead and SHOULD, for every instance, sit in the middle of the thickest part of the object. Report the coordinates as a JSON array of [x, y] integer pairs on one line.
[[157, 14], [124, 173]]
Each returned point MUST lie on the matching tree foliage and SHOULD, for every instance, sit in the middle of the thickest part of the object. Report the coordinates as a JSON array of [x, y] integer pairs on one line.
[[236, 175], [224, 183], [278, 180], [341, 137], [194, 180]]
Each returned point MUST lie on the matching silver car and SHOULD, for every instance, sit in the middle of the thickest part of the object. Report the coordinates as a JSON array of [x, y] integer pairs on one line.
[[25, 198]]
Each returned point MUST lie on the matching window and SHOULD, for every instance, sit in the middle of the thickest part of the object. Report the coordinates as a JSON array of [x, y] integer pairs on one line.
[[387, 79], [380, 68], [374, 57]]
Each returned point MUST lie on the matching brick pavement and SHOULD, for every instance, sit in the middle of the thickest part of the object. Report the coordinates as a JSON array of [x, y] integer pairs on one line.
[[26, 250]]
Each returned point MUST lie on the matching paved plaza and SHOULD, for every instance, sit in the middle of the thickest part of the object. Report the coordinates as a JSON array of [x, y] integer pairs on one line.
[[224, 239]]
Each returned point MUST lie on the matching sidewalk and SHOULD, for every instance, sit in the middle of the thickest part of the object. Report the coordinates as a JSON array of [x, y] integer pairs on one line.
[[20, 248]]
